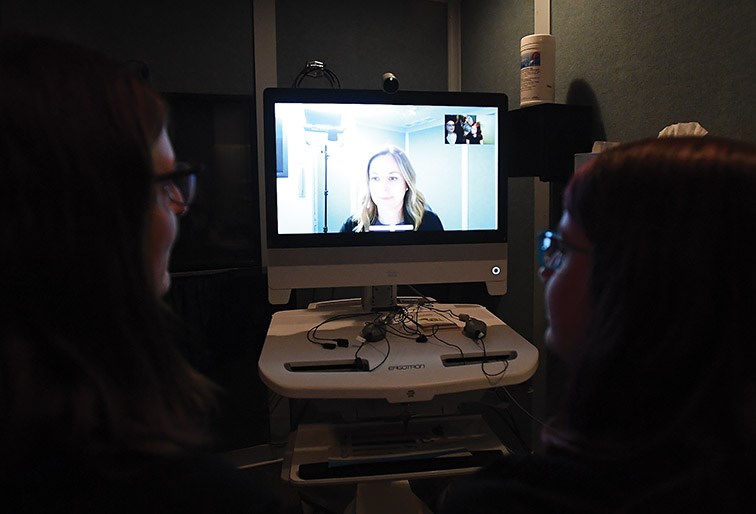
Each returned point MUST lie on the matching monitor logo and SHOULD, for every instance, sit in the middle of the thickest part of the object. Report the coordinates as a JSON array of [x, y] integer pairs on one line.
[[406, 367], [410, 393]]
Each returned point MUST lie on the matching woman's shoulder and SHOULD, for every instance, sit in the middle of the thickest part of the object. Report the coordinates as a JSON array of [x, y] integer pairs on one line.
[[349, 225], [431, 221]]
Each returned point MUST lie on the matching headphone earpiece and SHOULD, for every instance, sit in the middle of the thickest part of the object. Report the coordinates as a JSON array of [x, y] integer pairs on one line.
[[474, 328], [373, 331]]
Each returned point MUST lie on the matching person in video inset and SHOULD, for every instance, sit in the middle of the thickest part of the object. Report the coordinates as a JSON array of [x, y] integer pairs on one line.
[[453, 134], [100, 411], [392, 201], [475, 137], [650, 295]]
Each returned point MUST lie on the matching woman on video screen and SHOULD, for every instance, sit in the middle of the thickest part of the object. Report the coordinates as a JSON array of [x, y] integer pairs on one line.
[[392, 201]]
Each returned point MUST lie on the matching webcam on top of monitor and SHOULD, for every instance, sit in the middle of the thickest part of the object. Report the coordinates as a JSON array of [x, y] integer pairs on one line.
[[390, 83]]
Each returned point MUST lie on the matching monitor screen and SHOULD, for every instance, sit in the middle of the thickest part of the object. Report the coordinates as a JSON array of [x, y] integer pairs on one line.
[[366, 188]]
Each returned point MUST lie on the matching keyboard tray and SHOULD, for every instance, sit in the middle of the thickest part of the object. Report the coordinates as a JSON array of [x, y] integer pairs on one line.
[[322, 470]]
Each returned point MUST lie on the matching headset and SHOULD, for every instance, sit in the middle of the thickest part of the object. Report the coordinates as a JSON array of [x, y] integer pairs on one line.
[[373, 331], [474, 328]]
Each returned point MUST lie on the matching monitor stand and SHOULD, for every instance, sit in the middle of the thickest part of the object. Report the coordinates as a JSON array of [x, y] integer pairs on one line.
[[374, 299], [378, 298]]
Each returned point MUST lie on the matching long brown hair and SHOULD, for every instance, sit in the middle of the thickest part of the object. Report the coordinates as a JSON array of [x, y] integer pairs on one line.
[[668, 359], [414, 201], [86, 356]]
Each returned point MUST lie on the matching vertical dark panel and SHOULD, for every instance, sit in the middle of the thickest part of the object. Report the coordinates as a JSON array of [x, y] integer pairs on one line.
[[222, 230]]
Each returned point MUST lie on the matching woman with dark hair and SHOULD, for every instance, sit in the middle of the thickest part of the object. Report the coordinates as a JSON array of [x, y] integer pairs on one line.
[[392, 200], [98, 409], [651, 305], [475, 136]]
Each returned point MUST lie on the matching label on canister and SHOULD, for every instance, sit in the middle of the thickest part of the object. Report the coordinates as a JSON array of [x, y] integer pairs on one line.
[[537, 63]]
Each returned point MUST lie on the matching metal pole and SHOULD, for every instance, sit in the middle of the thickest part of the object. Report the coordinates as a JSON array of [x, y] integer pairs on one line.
[[325, 191]]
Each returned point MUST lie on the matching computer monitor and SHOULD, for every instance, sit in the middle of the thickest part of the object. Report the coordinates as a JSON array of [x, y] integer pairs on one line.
[[371, 189]]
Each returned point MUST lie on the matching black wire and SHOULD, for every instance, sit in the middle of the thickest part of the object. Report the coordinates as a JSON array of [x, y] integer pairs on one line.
[[421, 295], [388, 351], [402, 317], [434, 334], [447, 314], [406, 334], [525, 411], [480, 342], [444, 312], [512, 425], [312, 332], [434, 328], [317, 69]]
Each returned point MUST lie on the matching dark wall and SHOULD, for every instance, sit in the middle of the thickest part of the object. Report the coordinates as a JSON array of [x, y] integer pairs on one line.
[[642, 64], [650, 64], [359, 41], [191, 46]]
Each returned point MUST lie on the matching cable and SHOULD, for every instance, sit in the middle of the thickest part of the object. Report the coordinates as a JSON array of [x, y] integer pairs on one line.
[[421, 295], [542, 423], [485, 359], [512, 424], [388, 351], [434, 334], [317, 69], [404, 319], [330, 344], [500, 412]]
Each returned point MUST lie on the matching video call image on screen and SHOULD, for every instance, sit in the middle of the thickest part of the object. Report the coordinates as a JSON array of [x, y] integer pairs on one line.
[[388, 168]]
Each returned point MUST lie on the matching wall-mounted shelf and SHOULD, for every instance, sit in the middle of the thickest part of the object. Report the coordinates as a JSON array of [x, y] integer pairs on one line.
[[545, 139]]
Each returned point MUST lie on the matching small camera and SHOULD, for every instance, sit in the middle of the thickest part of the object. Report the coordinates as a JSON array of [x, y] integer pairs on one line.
[[390, 83]]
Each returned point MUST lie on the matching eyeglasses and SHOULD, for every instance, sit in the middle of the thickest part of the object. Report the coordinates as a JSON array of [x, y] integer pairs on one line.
[[552, 248], [180, 186]]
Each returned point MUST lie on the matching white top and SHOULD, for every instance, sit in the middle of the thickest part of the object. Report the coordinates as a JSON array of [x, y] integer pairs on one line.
[[294, 367]]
